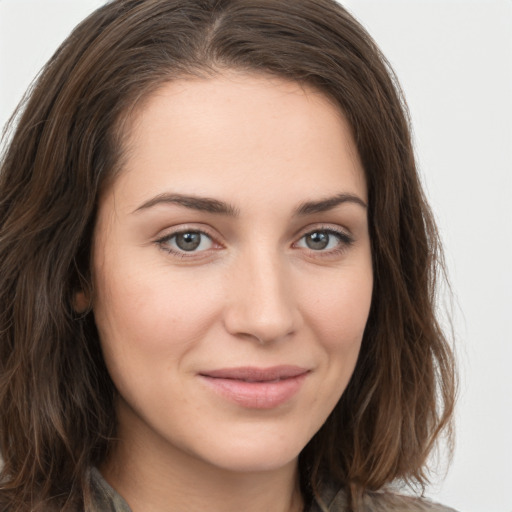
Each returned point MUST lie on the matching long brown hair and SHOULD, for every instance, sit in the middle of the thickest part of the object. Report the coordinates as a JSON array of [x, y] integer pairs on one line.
[[56, 397]]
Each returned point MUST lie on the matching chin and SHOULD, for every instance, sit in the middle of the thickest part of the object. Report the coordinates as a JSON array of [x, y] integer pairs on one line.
[[259, 461], [253, 457]]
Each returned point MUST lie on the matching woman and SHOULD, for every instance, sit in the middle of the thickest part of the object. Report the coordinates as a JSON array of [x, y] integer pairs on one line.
[[217, 269]]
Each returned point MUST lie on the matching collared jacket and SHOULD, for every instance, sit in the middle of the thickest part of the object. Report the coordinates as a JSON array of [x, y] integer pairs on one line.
[[332, 499]]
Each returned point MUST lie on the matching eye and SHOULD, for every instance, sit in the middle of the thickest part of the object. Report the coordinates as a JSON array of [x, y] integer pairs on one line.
[[324, 240], [186, 242]]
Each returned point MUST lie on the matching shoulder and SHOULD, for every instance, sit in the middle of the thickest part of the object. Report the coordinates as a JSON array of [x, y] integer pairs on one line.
[[388, 501], [379, 501], [104, 497]]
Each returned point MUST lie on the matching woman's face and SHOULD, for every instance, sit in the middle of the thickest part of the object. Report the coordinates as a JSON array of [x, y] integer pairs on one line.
[[232, 271]]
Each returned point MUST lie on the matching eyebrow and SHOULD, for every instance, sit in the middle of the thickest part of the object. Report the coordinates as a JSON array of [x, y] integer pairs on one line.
[[328, 203], [203, 204], [210, 205]]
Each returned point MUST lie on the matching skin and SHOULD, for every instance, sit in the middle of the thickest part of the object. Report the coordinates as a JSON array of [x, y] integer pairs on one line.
[[254, 293]]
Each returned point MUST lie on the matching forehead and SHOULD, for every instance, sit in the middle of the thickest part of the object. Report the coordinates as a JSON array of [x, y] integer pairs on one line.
[[239, 132]]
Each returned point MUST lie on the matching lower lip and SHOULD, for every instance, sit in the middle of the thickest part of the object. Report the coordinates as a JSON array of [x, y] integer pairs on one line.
[[256, 395]]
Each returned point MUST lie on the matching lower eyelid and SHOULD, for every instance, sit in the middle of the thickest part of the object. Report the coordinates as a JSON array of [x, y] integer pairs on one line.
[[164, 241], [344, 240]]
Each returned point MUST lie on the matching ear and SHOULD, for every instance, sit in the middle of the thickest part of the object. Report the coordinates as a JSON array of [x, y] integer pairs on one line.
[[81, 302]]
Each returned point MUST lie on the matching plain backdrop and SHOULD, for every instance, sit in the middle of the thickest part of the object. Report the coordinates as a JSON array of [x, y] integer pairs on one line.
[[454, 61]]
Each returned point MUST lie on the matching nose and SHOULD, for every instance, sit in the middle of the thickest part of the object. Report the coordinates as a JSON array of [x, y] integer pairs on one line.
[[261, 304]]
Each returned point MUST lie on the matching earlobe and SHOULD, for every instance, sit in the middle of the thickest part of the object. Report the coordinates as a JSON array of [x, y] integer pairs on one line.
[[81, 302]]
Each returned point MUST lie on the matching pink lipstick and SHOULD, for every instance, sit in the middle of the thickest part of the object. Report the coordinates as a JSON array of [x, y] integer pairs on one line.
[[256, 388]]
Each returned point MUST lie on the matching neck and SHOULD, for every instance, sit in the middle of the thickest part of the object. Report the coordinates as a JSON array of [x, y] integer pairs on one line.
[[154, 478]]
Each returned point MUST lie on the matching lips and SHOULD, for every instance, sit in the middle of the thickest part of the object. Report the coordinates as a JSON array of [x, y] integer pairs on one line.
[[256, 388], [251, 374]]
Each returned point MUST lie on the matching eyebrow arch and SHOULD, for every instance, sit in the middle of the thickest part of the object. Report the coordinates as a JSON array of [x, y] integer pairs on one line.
[[327, 204], [211, 205], [204, 204]]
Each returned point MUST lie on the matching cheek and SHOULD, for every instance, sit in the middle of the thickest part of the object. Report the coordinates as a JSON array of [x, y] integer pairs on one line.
[[337, 308], [145, 315]]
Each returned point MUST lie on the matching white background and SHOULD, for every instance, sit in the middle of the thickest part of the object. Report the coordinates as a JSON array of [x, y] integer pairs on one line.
[[454, 60]]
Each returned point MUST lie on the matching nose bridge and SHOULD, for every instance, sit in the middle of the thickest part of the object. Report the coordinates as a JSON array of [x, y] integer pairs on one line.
[[261, 305]]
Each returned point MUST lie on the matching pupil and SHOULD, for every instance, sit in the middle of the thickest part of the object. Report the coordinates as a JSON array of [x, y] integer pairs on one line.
[[188, 241], [317, 240]]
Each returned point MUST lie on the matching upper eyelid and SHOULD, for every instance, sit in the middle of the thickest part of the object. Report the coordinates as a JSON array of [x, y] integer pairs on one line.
[[334, 228], [163, 242], [216, 238], [344, 237], [170, 232]]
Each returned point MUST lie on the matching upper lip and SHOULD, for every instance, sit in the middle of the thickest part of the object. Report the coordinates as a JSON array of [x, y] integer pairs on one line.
[[255, 374]]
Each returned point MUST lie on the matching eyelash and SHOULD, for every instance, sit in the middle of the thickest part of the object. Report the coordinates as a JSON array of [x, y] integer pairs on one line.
[[343, 238], [163, 242], [344, 242]]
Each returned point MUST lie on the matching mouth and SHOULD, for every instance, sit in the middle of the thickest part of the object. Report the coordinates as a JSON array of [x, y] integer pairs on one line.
[[252, 374], [256, 388]]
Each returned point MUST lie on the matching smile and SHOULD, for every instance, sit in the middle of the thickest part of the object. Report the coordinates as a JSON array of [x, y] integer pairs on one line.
[[256, 388]]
